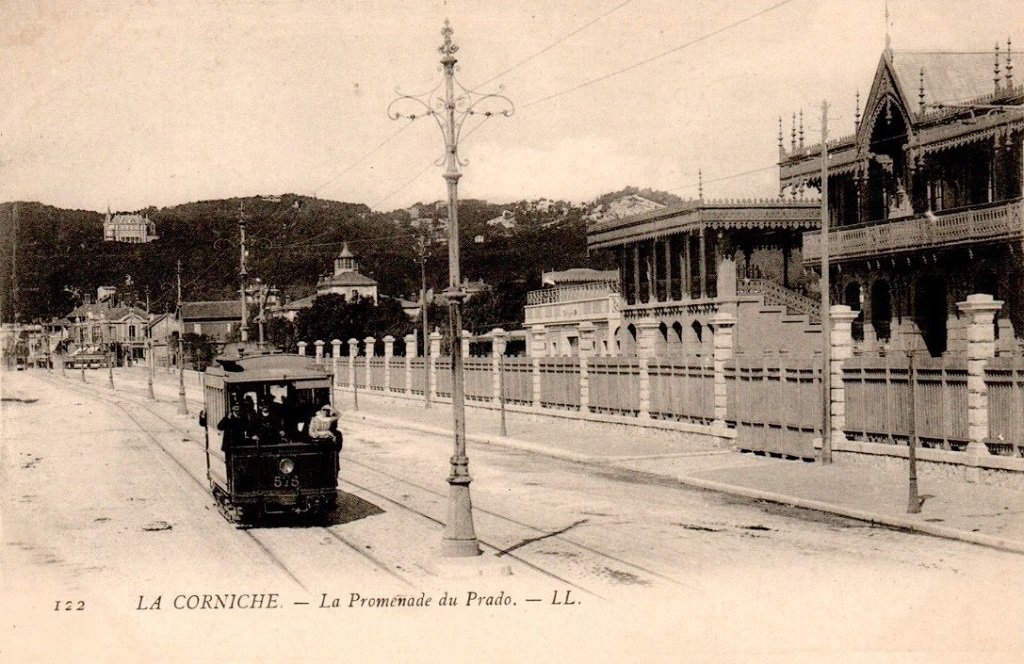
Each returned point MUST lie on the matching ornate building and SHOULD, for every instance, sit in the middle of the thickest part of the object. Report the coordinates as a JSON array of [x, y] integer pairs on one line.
[[680, 265], [924, 199]]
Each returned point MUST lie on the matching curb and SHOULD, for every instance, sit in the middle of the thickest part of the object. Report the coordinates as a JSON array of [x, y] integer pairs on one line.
[[874, 518]]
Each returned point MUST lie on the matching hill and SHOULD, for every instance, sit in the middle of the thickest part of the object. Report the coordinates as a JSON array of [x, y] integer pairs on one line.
[[61, 256]]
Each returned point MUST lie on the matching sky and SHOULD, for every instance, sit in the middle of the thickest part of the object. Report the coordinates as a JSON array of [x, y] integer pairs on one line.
[[134, 103]]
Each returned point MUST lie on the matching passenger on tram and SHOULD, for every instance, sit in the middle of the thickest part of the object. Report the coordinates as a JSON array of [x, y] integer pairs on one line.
[[324, 426], [234, 427]]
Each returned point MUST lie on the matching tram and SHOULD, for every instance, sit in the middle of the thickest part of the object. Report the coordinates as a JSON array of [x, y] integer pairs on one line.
[[272, 443]]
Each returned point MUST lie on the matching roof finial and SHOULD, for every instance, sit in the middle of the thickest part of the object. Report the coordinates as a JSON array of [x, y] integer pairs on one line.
[[792, 136], [801, 129], [700, 184], [1009, 63], [995, 79], [781, 150], [856, 111], [920, 91]]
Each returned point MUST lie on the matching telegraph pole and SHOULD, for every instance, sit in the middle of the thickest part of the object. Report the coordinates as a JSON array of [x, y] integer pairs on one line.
[[826, 326], [149, 345], [460, 535], [423, 308], [242, 272], [182, 405]]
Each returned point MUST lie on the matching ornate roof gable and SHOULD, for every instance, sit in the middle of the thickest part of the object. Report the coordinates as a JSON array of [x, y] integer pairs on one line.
[[886, 96]]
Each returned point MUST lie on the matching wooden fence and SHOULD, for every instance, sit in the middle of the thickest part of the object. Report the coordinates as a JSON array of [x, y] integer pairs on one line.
[[878, 407]]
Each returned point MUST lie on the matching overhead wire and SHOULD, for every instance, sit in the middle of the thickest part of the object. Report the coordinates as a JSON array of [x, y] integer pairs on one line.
[[645, 61]]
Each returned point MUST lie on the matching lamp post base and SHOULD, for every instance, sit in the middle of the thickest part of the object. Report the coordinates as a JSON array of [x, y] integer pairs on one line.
[[459, 535]]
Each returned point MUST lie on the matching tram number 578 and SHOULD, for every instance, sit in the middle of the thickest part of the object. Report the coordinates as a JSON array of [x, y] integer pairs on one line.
[[285, 482]]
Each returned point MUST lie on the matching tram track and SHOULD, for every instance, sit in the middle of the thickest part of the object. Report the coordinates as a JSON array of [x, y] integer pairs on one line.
[[498, 550], [203, 486]]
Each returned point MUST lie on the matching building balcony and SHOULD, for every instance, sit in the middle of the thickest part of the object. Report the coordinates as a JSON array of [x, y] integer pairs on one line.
[[980, 224], [585, 306]]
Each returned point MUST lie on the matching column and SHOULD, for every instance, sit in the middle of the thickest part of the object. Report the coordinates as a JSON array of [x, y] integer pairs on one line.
[[302, 348], [666, 246], [726, 275], [636, 273], [538, 341], [389, 352], [319, 351], [980, 311], [466, 336], [703, 263], [650, 267], [684, 267], [499, 340], [724, 325], [587, 339], [841, 341]]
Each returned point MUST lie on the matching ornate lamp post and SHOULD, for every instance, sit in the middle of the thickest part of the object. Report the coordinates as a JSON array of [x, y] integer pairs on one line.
[[450, 112]]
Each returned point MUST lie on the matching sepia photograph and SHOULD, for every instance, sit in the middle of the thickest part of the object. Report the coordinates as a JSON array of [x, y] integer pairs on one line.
[[477, 331]]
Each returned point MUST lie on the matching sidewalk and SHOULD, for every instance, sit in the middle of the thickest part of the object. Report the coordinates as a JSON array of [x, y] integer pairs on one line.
[[976, 513]]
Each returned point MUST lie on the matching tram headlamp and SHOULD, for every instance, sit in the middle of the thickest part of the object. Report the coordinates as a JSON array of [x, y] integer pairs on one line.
[[286, 466]]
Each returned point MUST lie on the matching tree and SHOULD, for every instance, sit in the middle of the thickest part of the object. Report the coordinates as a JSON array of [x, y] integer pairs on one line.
[[200, 350]]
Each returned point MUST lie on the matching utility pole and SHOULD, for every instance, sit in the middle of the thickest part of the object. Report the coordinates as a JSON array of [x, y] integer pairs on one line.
[[149, 349], [826, 324], [242, 272], [913, 500], [424, 239], [460, 535], [182, 405]]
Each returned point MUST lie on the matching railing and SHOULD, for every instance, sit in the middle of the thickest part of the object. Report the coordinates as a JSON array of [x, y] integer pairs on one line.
[[778, 295], [994, 221], [570, 292], [593, 307]]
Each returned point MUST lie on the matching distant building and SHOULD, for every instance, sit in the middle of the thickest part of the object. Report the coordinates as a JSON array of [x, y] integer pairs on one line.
[[216, 319], [346, 279], [101, 327], [131, 228]]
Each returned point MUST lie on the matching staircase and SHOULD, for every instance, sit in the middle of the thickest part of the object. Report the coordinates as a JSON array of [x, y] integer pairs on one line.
[[776, 295]]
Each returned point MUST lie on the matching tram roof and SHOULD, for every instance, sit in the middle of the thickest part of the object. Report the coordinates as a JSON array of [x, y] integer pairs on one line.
[[268, 368]]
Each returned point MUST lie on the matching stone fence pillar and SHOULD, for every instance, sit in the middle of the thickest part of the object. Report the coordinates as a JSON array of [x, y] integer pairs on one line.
[[368, 348], [302, 348], [435, 351], [335, 354], [389, 352], [410, 352], [980, 311], [724, 325], [319, 351], [538, 345], [841, 341], [465, 339], [646, 337]]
